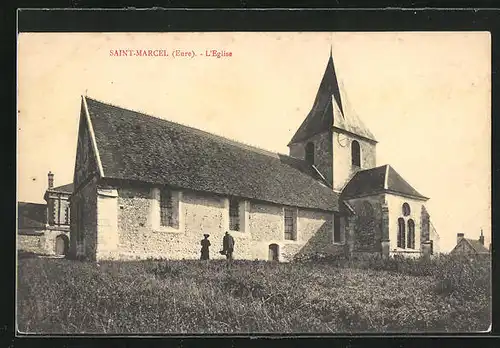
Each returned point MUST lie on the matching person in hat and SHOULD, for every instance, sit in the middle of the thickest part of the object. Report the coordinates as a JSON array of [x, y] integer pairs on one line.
[[228, 247], [205, 244]]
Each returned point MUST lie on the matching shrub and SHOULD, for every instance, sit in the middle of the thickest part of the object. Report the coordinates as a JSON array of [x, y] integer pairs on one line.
[[464, 276]]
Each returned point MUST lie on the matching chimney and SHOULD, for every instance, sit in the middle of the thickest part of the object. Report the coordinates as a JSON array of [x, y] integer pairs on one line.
[[51, 179], [481, 237], [460, 236]]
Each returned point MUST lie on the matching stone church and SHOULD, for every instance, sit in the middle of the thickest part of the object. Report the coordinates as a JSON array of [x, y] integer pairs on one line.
[[147, 187]]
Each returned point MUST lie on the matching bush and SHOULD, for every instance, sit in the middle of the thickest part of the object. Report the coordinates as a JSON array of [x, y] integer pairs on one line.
[[466, 277]]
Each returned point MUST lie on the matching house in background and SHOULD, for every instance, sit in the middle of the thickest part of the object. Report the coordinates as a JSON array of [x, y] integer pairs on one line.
[[45, 228], [147, 187], [468, 246]]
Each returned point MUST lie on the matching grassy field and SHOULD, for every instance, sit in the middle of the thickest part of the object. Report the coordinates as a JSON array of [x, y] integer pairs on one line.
[[63, 296]]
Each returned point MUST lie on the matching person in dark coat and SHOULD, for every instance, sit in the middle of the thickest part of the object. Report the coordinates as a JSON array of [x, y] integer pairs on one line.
[[228, 246], [205, 244]]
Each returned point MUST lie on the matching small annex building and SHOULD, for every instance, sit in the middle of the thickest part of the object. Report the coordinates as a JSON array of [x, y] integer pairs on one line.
[[45, 228]]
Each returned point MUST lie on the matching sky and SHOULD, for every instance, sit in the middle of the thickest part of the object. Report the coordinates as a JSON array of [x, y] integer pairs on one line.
[[425, 96]]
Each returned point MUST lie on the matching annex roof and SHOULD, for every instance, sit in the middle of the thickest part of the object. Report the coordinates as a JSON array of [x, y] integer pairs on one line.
[[378, 180], [31, 215]]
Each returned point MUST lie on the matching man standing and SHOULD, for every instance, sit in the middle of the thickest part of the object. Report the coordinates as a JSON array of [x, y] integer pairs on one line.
[[228, 247]]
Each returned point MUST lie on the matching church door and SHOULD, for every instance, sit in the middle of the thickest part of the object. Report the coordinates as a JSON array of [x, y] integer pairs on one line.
[[62, 245], [273, 252]]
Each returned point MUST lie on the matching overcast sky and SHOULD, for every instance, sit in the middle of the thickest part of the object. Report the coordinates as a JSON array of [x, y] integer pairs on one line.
[[425, 96]]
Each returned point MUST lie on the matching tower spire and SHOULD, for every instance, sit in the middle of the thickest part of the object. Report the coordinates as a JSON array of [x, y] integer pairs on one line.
[[331, 46]]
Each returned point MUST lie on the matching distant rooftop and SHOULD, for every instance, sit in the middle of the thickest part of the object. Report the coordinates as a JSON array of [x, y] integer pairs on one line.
[[68, 188]]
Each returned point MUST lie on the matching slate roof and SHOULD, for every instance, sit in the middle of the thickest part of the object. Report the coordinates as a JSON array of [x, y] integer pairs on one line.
[[31, 215], [378, 180], [474, 244], [477, 246], [68, 188], [331, 109], [135, 146]]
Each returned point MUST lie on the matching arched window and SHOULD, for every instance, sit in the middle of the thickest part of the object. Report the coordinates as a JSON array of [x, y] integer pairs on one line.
[[411, 234], [310, 153], [401, 233], [355, 154], [366, 209], [406, 209]]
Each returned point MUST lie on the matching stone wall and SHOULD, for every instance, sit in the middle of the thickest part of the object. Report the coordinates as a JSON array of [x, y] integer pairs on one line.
[[107, 223], [317, 234], [43, 242], [367, 227], [343, 170], [425, 225], [200, 213], [323, 158], [332, 156], [31, 243], [86, 197], [367, 223], [139, 237], [49, 239]]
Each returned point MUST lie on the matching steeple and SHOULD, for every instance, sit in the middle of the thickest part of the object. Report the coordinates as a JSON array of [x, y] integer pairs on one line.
[[330, 109], [332, 137]]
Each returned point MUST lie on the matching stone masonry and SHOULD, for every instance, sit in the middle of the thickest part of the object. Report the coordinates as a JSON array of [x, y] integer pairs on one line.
[[137, 236]]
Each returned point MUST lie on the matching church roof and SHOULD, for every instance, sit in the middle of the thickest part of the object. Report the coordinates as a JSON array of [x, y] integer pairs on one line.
[[138, 147], [331, 110], [31, 215], [378, 180]]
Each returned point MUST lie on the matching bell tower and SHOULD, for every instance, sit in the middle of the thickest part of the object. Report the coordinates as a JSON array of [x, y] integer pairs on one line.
[[333, 138]]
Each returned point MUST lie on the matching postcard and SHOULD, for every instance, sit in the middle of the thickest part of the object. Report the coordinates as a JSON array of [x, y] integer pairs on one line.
[[253, 182]]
